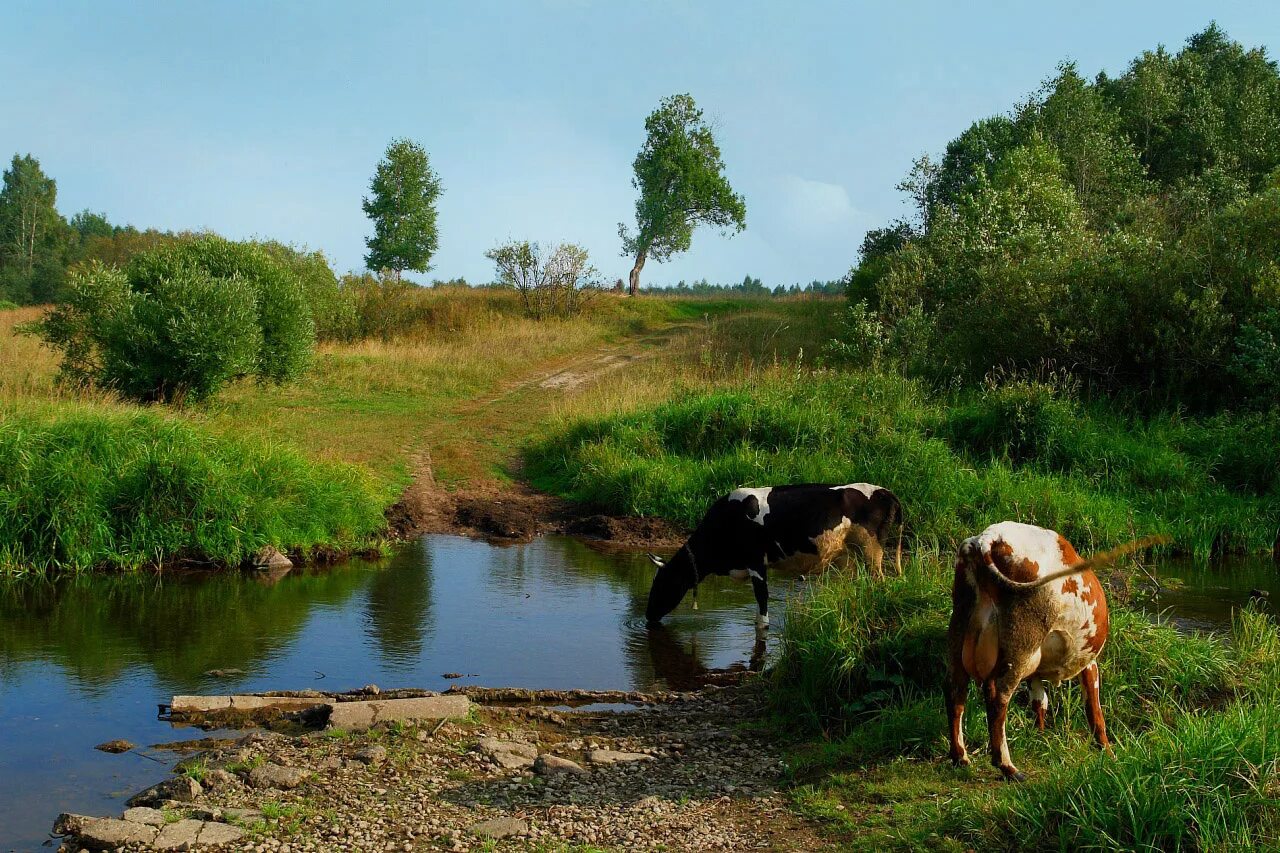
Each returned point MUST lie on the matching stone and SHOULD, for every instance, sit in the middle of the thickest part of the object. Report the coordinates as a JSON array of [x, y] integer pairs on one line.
[[229, 672], [242, 815], [143, 814], [500, 827], [181, 835], [374, 755], [268, 557], [108, 833], [182, 789], [357, 716], [115, 747], [219, 834], [211, 704], [507, 754], [69, 823], [547, 764], [275, 776], [611, 756], [220, 780]]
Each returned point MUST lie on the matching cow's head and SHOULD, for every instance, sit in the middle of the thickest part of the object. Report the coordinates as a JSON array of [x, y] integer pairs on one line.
[[675, 577]]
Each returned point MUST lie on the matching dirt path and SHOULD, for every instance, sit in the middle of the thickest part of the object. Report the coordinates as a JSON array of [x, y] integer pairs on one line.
[[467, 473]]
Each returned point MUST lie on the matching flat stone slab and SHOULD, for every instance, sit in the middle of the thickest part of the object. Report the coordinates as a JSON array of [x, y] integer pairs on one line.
[[500, 827], [218, 834], [108, 833], [508, 754], [355, 716], [211, 704], [275, 776], [553, 765], [143, 814], [182, 835], [610, 756]]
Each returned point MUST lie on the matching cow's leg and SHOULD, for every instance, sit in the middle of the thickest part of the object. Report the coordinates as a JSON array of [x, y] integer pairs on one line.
[[957, 695], [998, 692], [1039, 700], [1091, 684], [761, 588]]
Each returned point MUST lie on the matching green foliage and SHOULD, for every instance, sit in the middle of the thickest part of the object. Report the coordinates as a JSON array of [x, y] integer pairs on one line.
[[332, 311], [680, 177], [558, 283], [1020, 449], [84, 487], [182, 320], [1125, 228], [402, 205], [34, 238]]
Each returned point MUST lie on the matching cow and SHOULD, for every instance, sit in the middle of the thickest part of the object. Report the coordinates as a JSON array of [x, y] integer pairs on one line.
[[1025, 607], [747, 531]]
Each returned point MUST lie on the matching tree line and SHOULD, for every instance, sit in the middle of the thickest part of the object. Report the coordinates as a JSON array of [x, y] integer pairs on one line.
[[1124, 230]]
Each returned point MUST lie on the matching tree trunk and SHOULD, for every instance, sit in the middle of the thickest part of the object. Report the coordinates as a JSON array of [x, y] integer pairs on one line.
[[635, 271]]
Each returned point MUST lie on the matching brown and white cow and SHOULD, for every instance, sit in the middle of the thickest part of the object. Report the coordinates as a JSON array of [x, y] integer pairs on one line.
[[1025, 607]]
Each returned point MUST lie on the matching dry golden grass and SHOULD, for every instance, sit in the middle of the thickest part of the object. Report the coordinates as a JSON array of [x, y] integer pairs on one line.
[[27, 366]]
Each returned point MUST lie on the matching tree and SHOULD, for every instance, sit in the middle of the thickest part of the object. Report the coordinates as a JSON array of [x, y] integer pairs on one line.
[[402, 205], [557, 284], [681, 181], [28, 214]]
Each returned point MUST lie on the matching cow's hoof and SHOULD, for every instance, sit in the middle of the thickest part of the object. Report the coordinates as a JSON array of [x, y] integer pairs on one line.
[[1013, 775], [960, 761]]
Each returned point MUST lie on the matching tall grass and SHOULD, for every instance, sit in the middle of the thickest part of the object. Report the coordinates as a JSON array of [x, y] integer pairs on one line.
[[86, 486], [958, 463]]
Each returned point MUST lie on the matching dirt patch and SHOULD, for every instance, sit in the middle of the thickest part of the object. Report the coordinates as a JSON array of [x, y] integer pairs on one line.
[[514, 512]]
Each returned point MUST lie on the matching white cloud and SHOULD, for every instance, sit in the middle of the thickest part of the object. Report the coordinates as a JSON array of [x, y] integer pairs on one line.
[[809, 205]]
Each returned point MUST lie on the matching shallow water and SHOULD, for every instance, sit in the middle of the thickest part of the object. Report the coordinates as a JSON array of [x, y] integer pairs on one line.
[[88, 659]]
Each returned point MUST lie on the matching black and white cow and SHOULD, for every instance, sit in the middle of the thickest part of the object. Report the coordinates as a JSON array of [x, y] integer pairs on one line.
[[805, 526]]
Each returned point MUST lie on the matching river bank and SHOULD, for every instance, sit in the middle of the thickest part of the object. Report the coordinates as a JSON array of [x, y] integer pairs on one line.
[[696, 771]]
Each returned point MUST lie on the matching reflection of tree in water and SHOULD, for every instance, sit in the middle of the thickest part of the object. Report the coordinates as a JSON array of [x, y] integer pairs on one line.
[[399, 616], [97, 626], [676, 661]]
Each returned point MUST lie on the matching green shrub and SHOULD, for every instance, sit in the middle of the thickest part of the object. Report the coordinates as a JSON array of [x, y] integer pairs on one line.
[[6, 305], [84, 487], [182, 320]]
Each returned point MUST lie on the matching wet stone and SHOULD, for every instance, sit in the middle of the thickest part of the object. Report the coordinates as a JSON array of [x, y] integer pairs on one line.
[[115, 747]]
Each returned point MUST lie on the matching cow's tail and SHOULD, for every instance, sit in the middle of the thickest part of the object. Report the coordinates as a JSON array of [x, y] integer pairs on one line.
[[1096, 561]]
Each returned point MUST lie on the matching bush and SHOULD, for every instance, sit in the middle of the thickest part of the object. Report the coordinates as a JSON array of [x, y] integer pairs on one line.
[[182, 320], [84, 487], [559, 283], [6, 305]]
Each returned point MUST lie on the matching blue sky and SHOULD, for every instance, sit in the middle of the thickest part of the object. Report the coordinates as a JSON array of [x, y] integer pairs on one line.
[[266, 119]]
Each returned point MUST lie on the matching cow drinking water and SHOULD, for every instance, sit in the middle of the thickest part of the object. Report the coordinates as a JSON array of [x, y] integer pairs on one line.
[[748, 530]]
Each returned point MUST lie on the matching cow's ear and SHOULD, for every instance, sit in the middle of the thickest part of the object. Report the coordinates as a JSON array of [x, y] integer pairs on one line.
[[657, 561]]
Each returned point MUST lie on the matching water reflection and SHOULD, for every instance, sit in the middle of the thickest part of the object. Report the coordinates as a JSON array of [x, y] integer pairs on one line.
[[85, 660]]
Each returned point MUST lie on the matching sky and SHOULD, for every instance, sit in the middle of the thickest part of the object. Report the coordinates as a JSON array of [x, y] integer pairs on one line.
[[267, 118]]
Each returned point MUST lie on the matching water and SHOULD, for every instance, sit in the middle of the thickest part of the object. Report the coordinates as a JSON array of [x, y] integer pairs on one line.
[[87, 660]]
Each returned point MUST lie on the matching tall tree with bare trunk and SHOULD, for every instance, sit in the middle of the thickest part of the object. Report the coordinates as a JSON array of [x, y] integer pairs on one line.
[[682, 185]]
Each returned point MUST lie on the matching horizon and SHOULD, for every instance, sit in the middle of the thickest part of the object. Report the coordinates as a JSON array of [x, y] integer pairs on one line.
[[258, 123]]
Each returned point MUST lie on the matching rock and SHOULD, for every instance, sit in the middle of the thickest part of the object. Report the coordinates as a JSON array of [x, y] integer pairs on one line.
[[500, 827], [268, 557], [210, 704], [223, 673], [357, 716], [143, 814], [108, 833], [218, 834], [508, 754], [242, 815], [220, 780], [115, 747], [275, 776], [547, 764], [370, 690], [610, 756], [375, 754], [181, 835], [69, 823], [183, 789]]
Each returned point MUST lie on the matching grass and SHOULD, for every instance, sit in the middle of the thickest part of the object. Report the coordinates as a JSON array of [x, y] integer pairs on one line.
[[1193, 719], [92, 481], [959, 462]]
